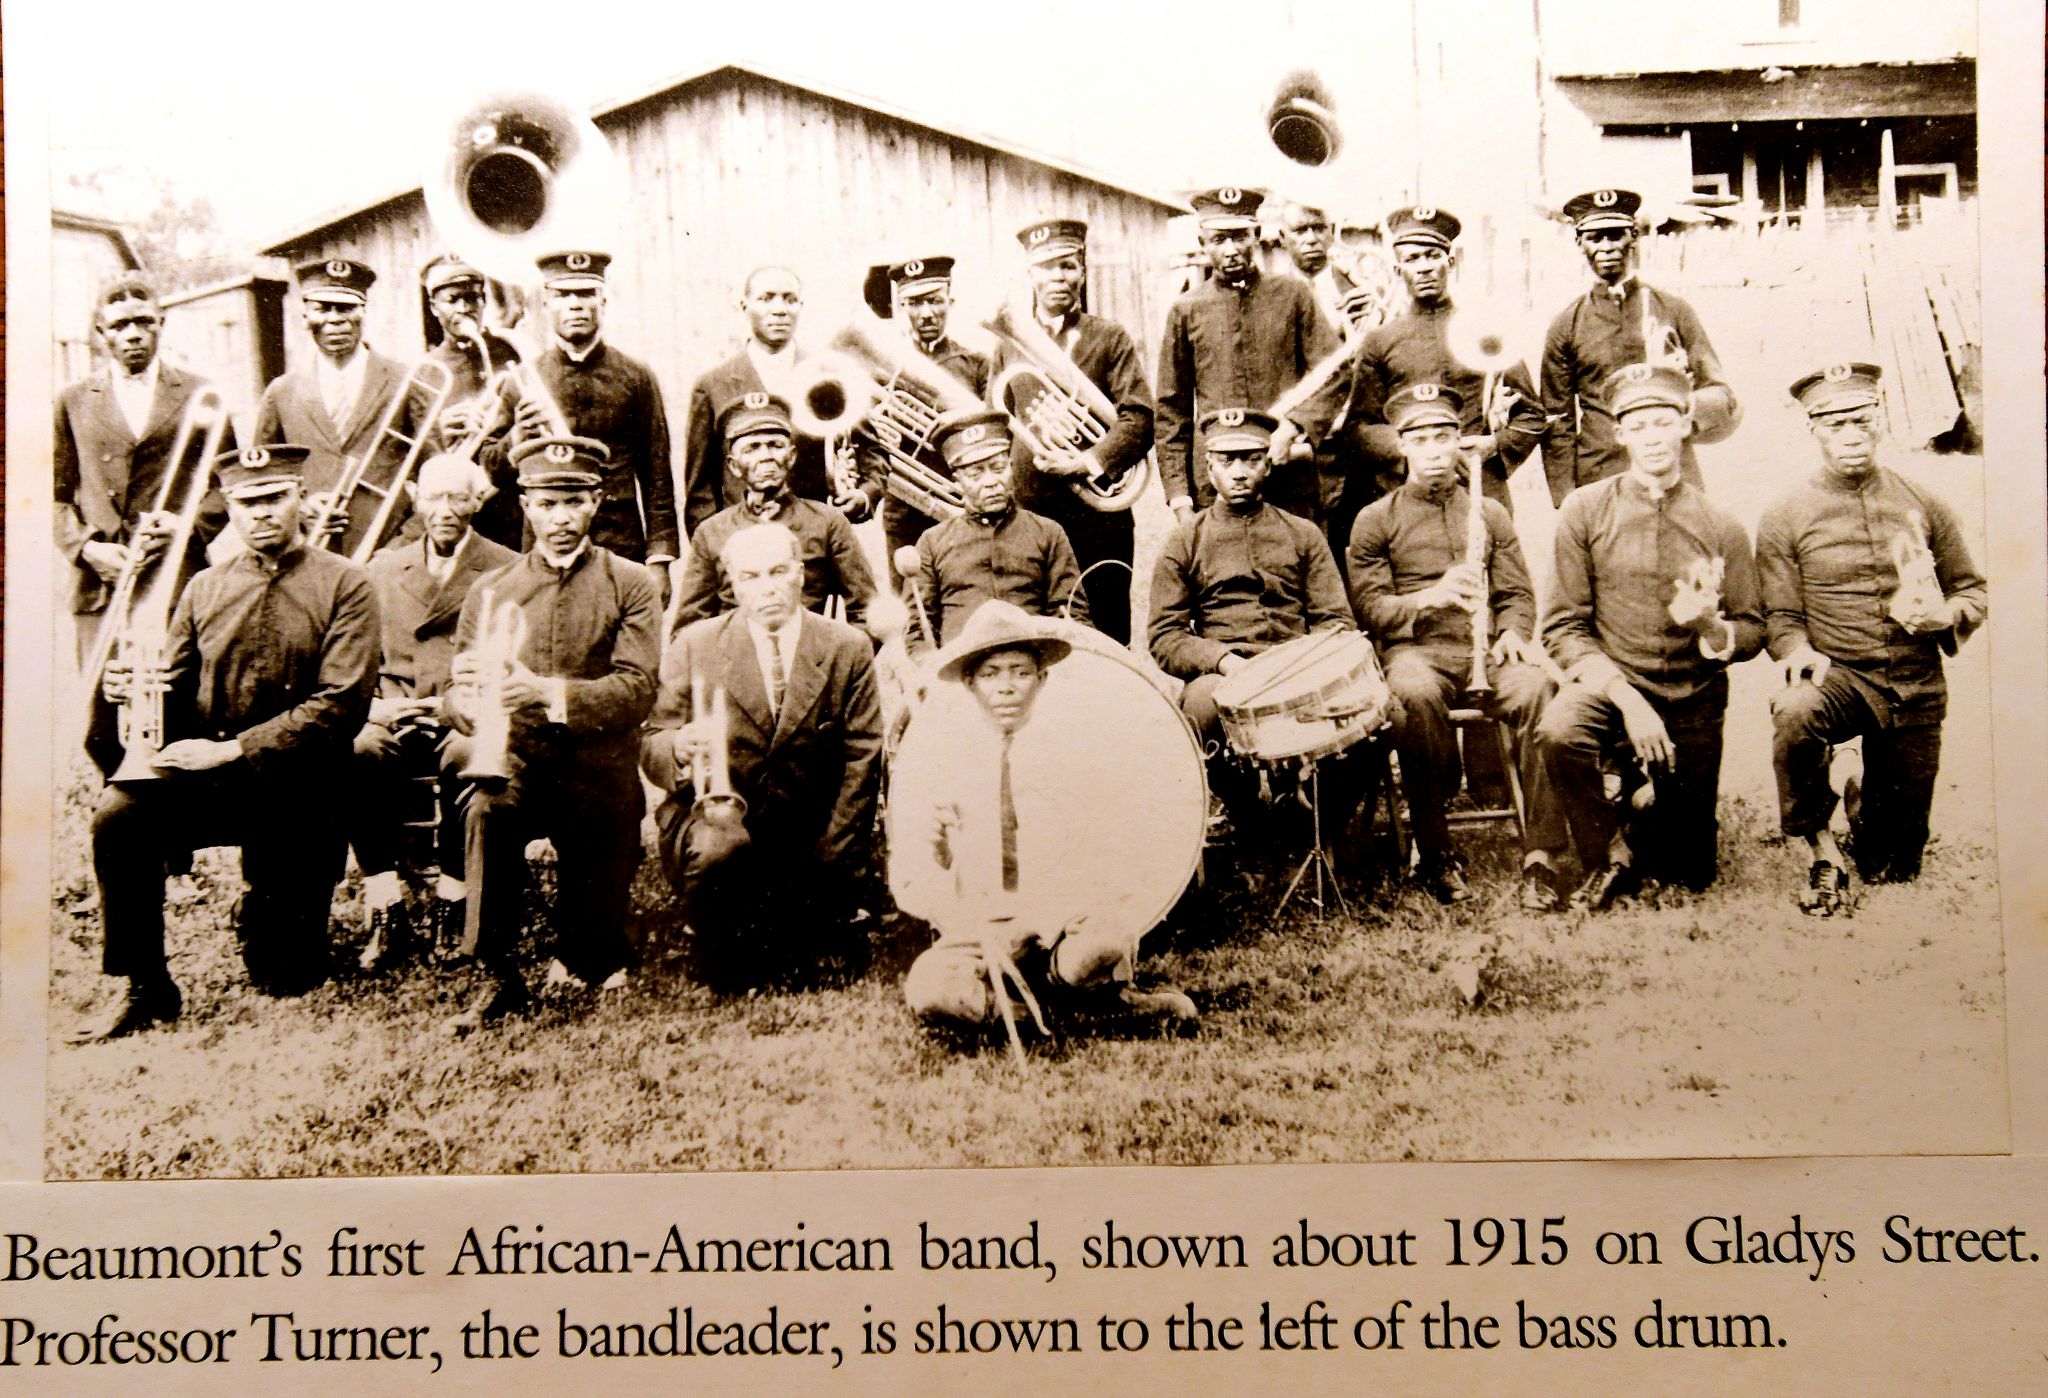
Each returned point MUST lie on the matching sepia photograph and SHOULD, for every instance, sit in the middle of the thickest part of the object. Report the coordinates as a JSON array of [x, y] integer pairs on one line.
[[638, 592]]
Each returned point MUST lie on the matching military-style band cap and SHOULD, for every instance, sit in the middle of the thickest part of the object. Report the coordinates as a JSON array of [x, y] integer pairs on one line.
[[1839, 388], [335, 279], [1424, 405], [1227, 207], [572, 269], [1647, 386], [1237, 429], [758, 411], [561, 463], [998, 625], [1422, 223], [968, 437], [445, 270], [1053, 237], [260, 470], [1603, 208], [888, 280]]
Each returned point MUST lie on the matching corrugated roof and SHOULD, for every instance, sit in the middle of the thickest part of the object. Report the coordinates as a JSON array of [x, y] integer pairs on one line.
[[615, 107]]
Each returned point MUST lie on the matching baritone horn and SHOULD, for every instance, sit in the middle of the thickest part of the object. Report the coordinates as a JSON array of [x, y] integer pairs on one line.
[[1056, 410]]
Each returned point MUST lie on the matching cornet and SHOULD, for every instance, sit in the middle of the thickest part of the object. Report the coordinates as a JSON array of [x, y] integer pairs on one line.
[[501, 633], [718, 803]]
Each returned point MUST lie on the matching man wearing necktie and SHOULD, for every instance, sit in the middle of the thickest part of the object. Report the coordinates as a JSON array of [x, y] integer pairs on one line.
[[778, 879], [1618, 322]]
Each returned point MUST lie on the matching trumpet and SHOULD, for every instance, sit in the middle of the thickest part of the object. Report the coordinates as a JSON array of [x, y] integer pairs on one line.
[[1056, 410], [892, 394], [329, 524], [501, 634], [712, 780]]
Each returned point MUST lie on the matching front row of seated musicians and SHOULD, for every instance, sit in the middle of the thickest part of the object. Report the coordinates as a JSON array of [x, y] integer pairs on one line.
[[307, 701]]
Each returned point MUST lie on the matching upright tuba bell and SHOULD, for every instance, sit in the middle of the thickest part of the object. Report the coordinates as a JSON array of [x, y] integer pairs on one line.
[[1302, 119]]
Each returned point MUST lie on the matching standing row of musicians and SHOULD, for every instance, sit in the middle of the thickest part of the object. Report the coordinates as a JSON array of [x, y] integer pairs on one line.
[[276, 650]]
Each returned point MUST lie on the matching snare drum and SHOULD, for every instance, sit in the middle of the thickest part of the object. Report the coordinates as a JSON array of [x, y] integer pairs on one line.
[[1310, 697]]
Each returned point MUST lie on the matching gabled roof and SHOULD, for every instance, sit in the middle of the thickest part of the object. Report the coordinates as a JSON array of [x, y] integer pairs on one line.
[[605, 113], [112, 231]]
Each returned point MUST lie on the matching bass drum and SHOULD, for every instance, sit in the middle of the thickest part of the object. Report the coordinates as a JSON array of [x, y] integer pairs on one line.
[[1112, 796]]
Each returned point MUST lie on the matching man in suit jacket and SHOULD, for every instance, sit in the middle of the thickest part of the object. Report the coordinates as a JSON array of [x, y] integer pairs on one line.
[[772, 298], [337, 403], [796, 724], [421, 585], [114, 434]]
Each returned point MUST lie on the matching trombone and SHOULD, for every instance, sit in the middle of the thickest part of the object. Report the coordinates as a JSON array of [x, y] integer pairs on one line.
[[330, 523]]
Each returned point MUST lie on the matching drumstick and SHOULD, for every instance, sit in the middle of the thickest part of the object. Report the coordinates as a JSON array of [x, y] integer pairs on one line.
[[912, 567]]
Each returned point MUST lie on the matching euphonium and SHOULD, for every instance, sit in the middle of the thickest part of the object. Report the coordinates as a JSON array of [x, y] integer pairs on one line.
[[500, 635], [1056, 410]]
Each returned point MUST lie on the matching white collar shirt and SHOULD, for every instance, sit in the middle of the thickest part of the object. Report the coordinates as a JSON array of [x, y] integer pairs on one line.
[[341, 384], [776, 368], [135, 395]]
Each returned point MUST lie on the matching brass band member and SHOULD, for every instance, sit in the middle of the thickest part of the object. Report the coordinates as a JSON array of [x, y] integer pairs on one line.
[[996, 550], [921, 292], [269, 669], [1618, 322], [772, 298], [1866, 584], [1307, 234], [1056, 260], [581, 680], [114, 433], [1416, 591], [421, 586], [1021, 849], [460, 342], [1345, 486], [335, 404], [1243, 338], [1411, 349], [1238, 578], [801, 747], [1655, 597], [607, 396], [761, 444]]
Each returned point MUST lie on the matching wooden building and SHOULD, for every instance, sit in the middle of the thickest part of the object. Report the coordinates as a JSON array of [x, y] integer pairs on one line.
[[732, 167], [233, 333]]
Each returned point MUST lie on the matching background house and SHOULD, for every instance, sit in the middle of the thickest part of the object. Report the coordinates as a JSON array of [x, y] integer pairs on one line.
[[85, 252]]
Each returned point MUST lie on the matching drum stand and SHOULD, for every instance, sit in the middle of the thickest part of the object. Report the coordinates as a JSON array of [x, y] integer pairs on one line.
[[1318, 857]]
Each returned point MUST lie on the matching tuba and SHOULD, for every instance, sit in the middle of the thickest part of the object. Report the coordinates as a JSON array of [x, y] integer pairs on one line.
[[1056, 410], [893, 394], [1302, 119], [137, 621], [500, 634]]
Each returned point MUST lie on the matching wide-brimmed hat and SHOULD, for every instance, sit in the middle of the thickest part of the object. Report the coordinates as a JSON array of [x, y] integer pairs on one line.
[[997, 625]]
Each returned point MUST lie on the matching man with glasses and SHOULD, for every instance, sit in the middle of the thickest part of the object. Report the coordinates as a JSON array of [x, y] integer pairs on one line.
[[1866, 585], [1618, 322]]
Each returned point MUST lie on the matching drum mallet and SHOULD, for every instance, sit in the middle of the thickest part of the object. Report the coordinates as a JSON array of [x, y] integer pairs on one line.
[[910, 566]]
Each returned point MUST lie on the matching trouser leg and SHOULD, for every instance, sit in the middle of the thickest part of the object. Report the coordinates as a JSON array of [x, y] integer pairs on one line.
[[290, 866], [133, 831], [1572, 735], [1521, 694], [1428, 745], [452, 755], [596, 834], [494, 860], [1806, 720], [379, 777], [1900, 765], [1685, 848]]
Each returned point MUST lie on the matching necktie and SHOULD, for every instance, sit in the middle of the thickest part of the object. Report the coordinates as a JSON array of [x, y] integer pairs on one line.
[[1009, 823], [781, 674]]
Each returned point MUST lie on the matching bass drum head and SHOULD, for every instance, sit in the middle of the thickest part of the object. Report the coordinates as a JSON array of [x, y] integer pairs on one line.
[[1127, 768]]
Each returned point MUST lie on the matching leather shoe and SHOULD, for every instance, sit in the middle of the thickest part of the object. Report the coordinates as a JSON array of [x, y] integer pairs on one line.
[[1540, 893], [136, 1009], [1445, 881], [391, 940], [1827, 892], [1603, 886], [501, 1000]]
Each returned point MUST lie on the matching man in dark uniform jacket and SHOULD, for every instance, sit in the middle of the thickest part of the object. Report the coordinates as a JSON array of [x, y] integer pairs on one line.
[[1056, 257], [1416, 592], [1655, 596], [1242, 339], [471, 352], [1412, 349], [1867, 583], [801, 742], [113, 438], [421, 585], [1618, 322], [922, 290], [576, 693], [336, 403], [772, 299], [995, 551], [269, 669], [761, 443], [608, 396]]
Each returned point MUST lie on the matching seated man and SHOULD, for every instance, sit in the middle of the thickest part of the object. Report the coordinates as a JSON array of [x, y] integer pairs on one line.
[[554, 672], [790, 723], [1237, 579], [1655, 597], [1011, 837], [996, 550], [1416, 591], [760, 445], [267, 673], [421, 585], [1866, 585]]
